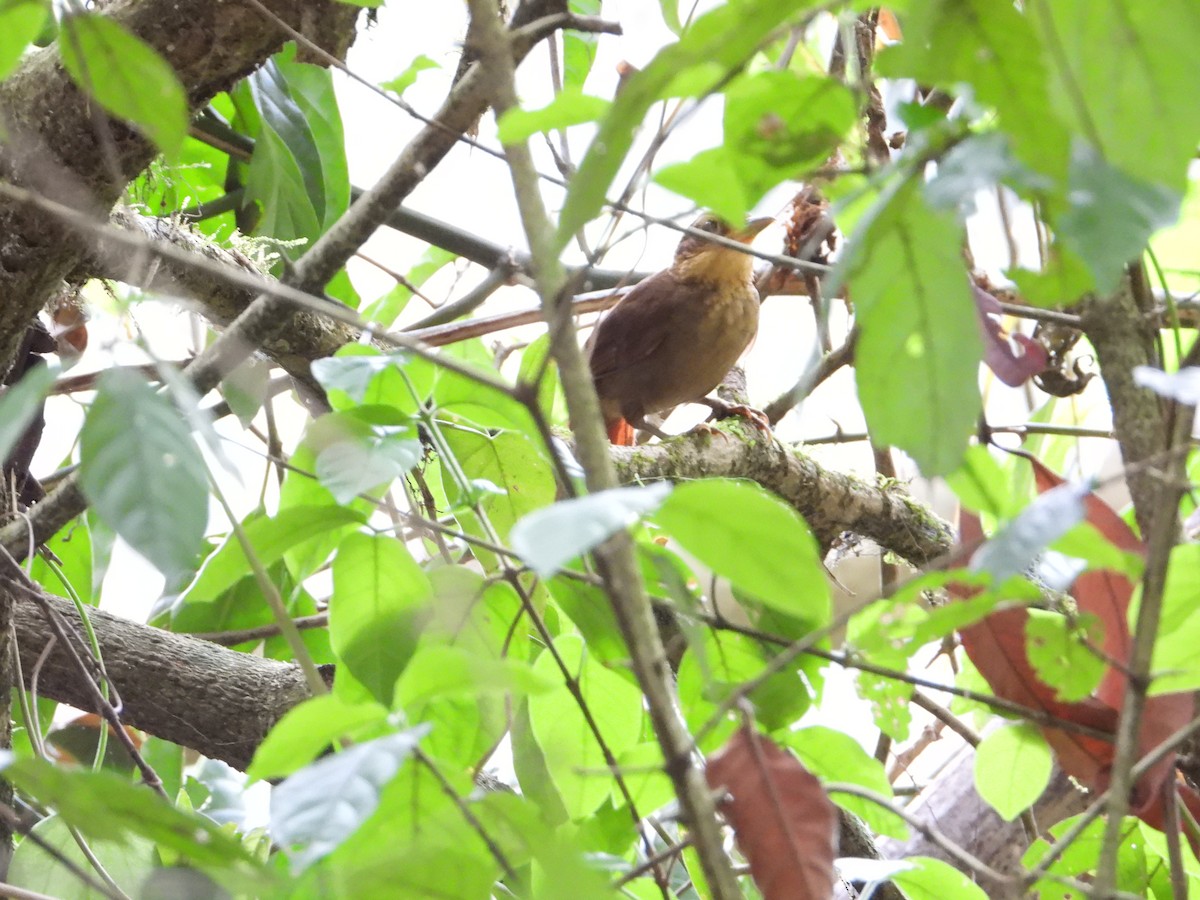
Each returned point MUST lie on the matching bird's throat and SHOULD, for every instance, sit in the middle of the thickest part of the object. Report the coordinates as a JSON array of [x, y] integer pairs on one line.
[[715, 266]]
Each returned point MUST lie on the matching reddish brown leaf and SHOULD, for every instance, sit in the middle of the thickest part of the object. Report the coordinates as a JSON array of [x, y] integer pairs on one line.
[[996, 645], [1105, 595], [785, 825], [997, 648]]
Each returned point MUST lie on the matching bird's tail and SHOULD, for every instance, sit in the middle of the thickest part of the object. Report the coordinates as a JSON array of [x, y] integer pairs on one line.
[[620, 432]]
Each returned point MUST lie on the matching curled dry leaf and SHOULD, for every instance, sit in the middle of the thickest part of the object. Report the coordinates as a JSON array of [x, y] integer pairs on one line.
[[785, 825]]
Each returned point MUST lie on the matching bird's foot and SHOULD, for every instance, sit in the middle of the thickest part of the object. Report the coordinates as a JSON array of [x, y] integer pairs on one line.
[[723, 410]]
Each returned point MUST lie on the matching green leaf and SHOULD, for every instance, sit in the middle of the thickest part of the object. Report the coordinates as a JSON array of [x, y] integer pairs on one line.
[[510, 461], [270, 538], [1135, 107], [299, 172], [106, 806], [126, 76], [369, 456], [380, 604], [747, 535], [1012, 768], [385, 310], [1176, 660], [932, 879], [982, 485], [579, 47], [143, 473], [834, 756], [438, 671], [1037, 526], [315, 810], [919, 330], [547, 538], [777, 125], [308, 730], [569, 107], [993, 48], [573, 757], [20, 22], [35, 869], [1059, 651], [408, 77], [1112, 216], [719, 41], [21, 403]]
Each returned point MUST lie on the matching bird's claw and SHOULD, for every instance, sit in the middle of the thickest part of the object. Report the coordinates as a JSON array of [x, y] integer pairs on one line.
[[755, 417]]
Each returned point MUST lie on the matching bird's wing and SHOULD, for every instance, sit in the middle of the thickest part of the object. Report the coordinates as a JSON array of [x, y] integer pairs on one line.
[[635, 328]]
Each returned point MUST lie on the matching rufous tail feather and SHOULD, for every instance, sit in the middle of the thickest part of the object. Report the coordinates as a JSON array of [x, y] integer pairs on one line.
[[620, 432]]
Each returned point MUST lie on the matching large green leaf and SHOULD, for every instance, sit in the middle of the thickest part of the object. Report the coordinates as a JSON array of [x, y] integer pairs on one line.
[[1176, 661], [106, 806], [756, 541], [20, 23], [316, 809], [919, 331], [1121, 75], [714, 45], [126, 76], [270, 537], [380, 604], [572, 754], [36, 869], [932, 879], [569, 107], [298, 172], [993, 48], [143, 473], [835, 756]]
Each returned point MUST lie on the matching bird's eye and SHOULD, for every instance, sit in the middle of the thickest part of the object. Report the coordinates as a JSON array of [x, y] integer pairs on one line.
[[710, 223]]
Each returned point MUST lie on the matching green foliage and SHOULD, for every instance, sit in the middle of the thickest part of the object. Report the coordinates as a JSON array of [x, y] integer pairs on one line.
[[1012, 768], [783, 572], [777, 126], [143, 472], [716, 43], [298, 173], [126, 76], [379, 606], [422, 510], [918, 330], [20, 23]]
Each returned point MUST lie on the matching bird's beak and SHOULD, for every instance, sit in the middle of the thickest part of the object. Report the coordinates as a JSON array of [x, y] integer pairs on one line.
[[752, 228]]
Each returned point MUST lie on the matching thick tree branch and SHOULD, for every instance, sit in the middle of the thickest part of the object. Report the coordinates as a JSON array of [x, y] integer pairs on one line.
[[831, 502], [200, 695], [51, 145]]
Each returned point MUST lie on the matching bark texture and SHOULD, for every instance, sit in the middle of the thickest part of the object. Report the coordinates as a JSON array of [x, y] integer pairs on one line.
[[201, 695]]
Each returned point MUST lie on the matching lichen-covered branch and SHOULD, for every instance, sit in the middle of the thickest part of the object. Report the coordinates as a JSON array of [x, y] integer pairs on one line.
[[831, 502]]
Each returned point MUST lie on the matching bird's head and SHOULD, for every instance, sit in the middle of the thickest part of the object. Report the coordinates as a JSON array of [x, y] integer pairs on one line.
[[699, 259]]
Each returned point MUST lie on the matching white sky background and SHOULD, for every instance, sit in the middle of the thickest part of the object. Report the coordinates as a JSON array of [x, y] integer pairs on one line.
[[473, 191]]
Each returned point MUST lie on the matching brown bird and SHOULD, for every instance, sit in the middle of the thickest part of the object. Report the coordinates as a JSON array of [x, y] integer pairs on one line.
[[673, 337]]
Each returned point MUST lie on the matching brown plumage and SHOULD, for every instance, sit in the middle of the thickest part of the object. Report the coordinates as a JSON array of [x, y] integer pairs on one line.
[[673, 337]]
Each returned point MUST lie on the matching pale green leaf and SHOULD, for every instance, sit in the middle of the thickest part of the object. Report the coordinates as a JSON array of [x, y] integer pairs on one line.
[[126, 76], [1012, 768], [556, 534], [919, 331], [143, 473], [752, 538], [316, 809], [569, 107], [20, 22], [379, 606]]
